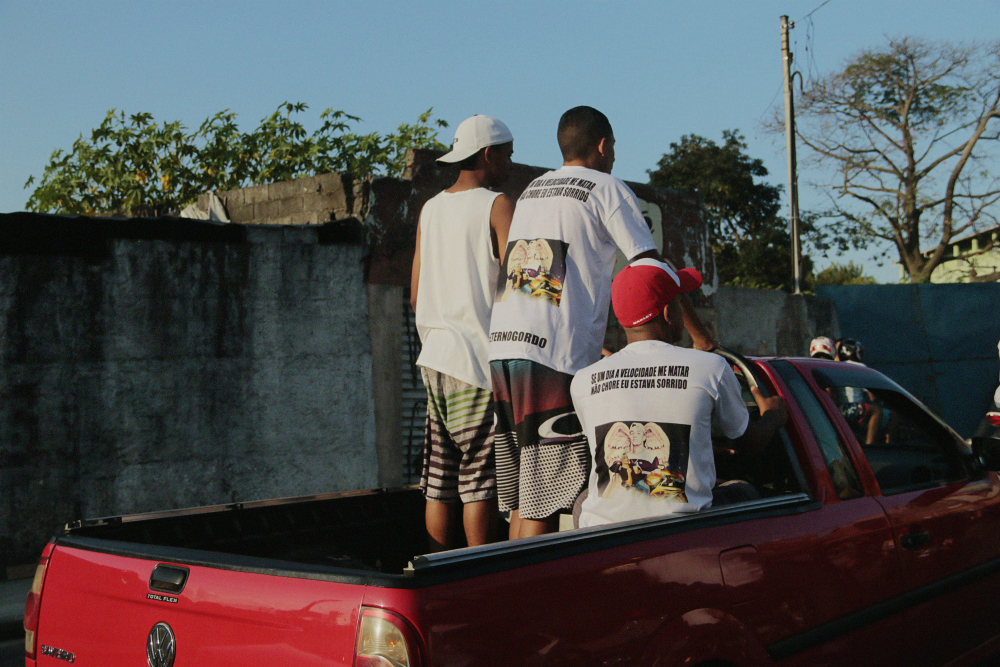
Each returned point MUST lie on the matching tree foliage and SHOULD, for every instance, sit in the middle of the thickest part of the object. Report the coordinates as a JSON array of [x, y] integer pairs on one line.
[[751, 242], [132, 165], [910, 133], [843, 274]]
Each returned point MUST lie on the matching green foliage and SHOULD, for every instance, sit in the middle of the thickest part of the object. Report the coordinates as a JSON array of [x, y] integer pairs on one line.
[[905, 133], [844, 274], [752, 244], [133, 166]]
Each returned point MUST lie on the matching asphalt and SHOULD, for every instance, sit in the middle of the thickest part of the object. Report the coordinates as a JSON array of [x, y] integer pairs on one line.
[[12, 596]]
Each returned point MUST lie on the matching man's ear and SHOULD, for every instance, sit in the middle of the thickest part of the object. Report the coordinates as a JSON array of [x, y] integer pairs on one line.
[[601, 144], [666, 312]]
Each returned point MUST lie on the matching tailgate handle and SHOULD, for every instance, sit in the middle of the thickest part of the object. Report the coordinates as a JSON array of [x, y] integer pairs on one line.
[[168, 578]]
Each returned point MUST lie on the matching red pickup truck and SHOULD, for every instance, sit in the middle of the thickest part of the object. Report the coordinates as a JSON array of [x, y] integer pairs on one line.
[[873, 543]]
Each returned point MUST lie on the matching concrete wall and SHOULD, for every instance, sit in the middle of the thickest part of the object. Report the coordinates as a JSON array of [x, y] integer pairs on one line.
[[156, 364], [160, 364], [766, 323], [313, 200]]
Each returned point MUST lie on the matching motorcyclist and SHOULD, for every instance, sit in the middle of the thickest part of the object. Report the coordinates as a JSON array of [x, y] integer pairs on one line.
[[857, 404], [822, 347]]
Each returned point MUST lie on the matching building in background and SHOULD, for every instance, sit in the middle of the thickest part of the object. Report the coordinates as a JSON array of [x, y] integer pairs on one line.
[[971, 259]]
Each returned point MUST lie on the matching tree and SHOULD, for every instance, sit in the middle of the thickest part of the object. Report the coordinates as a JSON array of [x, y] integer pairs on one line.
[[751, 243], [844, 274], [133, 166], [910, 132]]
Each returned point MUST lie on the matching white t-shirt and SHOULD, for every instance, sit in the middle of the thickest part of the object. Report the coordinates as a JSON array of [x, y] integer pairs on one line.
[[555, 287], [647, 412], [458, 282]]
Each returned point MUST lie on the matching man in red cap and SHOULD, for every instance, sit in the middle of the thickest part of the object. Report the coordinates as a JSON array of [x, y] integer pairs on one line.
[[647, 410]]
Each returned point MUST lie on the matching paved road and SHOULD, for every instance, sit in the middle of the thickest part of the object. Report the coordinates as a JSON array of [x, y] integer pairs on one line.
[[12, 653]]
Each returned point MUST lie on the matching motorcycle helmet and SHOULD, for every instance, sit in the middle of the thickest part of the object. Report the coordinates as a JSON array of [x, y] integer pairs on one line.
[[849, 349], [821, 347]]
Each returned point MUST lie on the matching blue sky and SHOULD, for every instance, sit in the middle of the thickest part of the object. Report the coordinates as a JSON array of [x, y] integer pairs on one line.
[[659, 69]]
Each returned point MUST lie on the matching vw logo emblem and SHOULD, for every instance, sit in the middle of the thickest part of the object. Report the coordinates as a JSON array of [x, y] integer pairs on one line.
[[161, 647]]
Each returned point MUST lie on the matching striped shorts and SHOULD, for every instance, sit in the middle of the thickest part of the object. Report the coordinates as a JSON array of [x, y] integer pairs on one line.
[[542, 455], [458, 441]]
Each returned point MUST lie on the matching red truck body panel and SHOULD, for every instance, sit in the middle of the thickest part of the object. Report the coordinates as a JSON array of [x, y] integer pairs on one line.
[[619, 604], [810, 577], [98, 604]]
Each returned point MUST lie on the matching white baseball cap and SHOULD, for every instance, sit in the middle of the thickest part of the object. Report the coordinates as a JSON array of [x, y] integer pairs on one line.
[[474, 134]]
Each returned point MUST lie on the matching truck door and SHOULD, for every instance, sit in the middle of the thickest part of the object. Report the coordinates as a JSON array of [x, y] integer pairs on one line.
[[855, 568], [944, 512]]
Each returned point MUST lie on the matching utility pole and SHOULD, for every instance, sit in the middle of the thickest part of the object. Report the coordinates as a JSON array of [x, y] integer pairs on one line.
[[793, 183]]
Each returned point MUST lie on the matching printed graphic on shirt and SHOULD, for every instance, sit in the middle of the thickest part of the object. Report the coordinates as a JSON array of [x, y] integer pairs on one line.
[[642, 457], [534, 269]]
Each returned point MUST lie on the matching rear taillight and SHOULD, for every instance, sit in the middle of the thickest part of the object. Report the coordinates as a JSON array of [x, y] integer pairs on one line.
[[32, 604], [385, 639], [994, 418]]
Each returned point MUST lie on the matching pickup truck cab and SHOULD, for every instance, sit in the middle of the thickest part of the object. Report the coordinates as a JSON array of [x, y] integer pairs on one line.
[[870, 545]]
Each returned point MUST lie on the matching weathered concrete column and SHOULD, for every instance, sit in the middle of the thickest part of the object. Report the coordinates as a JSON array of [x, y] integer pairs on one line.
[[768, 322], [385, 307]]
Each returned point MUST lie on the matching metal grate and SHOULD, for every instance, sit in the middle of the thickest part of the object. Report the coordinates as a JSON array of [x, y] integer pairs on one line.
[[414, 397]]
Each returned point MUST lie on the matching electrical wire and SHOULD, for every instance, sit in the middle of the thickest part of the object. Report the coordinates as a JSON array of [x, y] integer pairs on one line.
[[814, 11]]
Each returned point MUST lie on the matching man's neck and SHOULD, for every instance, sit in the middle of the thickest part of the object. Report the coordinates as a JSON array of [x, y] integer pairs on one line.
[[639, 337], [469, 180], [586, 163], [658, 330]]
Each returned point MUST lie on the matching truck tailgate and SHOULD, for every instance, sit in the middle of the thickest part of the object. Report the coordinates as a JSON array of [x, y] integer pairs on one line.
[[100, 607]]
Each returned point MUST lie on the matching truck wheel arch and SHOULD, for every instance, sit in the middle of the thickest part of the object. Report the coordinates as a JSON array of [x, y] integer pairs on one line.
[[708, 638]]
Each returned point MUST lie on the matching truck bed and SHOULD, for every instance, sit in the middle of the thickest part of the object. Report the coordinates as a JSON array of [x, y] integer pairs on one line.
[[376, 530]]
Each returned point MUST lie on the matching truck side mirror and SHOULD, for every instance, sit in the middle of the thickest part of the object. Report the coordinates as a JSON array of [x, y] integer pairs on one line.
[[987, 450]]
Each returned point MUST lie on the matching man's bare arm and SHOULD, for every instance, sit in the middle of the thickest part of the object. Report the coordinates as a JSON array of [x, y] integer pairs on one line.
[[773, 415], [500, 217], [415, 272]]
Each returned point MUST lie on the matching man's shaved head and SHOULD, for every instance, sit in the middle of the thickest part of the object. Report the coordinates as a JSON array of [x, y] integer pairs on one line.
[[580, 130]]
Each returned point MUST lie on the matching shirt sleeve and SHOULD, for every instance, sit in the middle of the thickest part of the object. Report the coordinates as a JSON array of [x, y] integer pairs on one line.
[[730, 410], [627, 226]]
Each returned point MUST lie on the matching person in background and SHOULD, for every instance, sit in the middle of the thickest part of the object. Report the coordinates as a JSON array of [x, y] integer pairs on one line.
[[822, 347], [461, 238], [990, 424], [857, 404]]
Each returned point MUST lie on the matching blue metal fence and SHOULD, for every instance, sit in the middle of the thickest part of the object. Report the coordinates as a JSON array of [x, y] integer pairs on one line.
[[937, 341]]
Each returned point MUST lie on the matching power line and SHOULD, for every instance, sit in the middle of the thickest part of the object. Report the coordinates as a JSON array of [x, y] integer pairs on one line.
[[770, 104], [814, 11]]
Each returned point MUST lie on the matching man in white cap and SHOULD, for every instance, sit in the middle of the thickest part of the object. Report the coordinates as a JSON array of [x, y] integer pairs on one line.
[[647, 410], [461, 237]]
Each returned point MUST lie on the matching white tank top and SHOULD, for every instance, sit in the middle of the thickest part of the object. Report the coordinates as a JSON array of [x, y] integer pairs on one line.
[[458, 281]]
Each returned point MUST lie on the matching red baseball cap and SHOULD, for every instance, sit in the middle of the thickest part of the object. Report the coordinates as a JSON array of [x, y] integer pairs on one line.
[[642, 289]]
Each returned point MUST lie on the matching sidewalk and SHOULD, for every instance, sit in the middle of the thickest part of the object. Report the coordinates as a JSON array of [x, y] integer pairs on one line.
[[12, 596]]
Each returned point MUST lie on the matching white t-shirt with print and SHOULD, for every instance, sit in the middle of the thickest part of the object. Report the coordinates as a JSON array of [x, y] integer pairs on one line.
[[458, 281], [647, 412], [555, 286]]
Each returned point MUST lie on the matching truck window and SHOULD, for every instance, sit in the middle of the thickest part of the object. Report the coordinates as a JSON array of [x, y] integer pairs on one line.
[[774, 473], [843, 474], [906, 446]]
